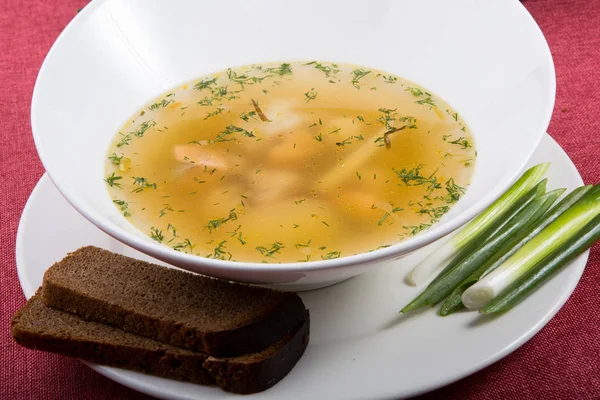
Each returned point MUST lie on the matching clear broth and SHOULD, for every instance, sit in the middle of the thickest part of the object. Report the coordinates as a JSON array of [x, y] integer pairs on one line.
[[290, 162]]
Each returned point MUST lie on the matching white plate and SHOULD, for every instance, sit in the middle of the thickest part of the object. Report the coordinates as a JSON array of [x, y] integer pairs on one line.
[[360, 348]]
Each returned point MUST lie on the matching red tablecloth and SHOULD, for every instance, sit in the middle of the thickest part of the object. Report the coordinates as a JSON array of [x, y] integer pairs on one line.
[[560, 362]]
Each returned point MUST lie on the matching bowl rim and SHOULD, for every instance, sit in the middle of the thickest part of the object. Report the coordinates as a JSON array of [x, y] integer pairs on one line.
[[208, 265]]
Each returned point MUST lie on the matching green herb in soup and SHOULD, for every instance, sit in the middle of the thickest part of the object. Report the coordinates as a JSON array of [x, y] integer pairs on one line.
[[289, 162]]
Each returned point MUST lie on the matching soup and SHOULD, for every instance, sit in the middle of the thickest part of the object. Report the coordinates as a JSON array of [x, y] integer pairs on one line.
[[290, 162]]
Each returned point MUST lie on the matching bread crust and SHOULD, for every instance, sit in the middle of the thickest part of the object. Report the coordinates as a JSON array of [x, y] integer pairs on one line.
[[37, 326], [185, 310]]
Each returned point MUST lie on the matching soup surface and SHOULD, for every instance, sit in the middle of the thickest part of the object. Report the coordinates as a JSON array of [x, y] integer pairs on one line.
[[290, 162]]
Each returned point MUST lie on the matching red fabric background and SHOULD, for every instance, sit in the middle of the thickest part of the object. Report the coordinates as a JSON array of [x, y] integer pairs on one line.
[[561, 362]]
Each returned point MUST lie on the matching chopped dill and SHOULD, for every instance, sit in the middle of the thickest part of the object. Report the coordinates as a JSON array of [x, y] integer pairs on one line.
[[380, 140], [215, 223], [156, 234], [240, 238], [272, 249], [411, 122], [164, 210], [113, 179], [205, 84], [358, 75], [332, 254], [220, 93], [382, 220], [183, 246], [238, 235], [434, 212], [428, 100], [247, 115], [310, 95], [415, 91], [453, 191], [328, 70], [226, 134], [114, 159], [162, 103], [173, 230], [218, 111], [413, 177], [142, 183], [419, 93], [345, 141], [462, 142], [220, 252], [415, 229], [282, 70], [123, 206], [207, 101], [301, 244], [126, 138], [389, 115], [243, 79]]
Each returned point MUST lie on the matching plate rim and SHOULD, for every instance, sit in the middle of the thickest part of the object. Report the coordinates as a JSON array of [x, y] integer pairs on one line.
[[123, 376]]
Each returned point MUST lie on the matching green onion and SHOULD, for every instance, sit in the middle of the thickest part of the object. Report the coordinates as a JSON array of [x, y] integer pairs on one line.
[[530, 281], [454, 301], [473, 230], [567, 225], [515, 218], [496, 227]]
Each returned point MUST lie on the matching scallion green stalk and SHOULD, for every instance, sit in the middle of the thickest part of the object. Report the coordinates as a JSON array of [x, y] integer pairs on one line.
[[451, 248], [517, 216], [567, 225], [534, 278], [494, 228], [454, 301]]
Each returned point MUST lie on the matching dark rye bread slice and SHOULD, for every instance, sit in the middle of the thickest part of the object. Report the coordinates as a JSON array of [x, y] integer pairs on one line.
[[183, 309], [37, 326]]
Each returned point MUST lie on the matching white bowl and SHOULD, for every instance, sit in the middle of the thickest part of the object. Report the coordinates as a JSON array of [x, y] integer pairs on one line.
[[488, 59]]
